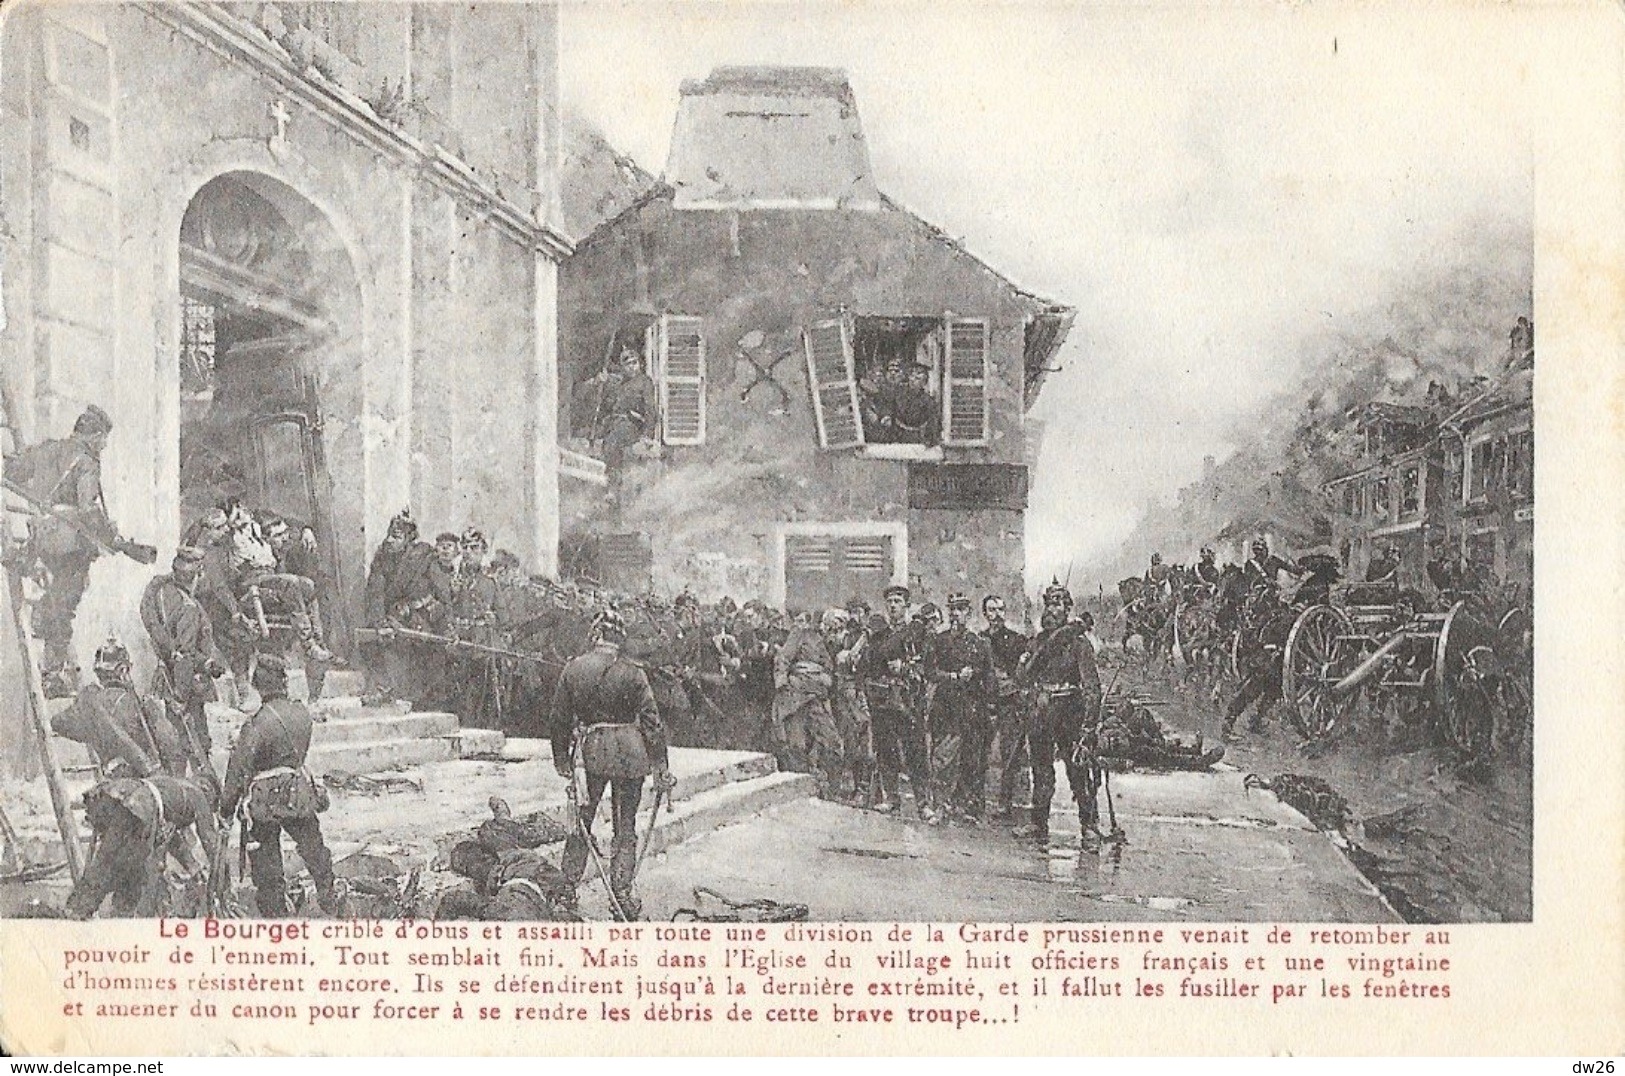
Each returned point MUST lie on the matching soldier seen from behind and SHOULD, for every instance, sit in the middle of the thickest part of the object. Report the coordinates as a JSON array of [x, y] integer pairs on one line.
[[136, 823], [267, 779], [606, 723], [129, 734]]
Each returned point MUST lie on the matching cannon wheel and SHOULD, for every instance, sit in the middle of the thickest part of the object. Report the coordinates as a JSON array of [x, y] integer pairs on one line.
[[1314, 660], [1469, 695]]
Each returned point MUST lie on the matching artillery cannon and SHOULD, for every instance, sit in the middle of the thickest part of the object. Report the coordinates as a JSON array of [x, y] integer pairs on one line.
[[1377, 641]]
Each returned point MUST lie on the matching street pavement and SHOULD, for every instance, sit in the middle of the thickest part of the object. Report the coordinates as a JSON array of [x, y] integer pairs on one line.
[[1199, 847]]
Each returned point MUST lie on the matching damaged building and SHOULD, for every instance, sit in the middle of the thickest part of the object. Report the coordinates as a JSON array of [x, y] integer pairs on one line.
[[261, 236], [840, 389]]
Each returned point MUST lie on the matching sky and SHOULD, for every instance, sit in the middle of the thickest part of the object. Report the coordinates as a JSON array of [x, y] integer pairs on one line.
[[1206, 186]]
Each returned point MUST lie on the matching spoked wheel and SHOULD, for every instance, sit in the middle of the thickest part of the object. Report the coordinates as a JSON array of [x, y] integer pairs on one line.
[[1469, 683], [1318, 655]]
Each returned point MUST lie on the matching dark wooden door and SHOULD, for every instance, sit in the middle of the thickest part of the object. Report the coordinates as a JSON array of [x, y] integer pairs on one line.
[[267, 390]]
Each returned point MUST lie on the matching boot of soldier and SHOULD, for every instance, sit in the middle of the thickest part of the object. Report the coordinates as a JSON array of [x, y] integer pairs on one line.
[[573, 861], [623, 865]]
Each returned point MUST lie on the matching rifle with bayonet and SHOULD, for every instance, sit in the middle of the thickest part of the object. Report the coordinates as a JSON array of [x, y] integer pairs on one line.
[[455, 643]]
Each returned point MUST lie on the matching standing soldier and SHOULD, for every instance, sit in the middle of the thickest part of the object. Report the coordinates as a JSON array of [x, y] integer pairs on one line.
[[183, 640], [803, 722], [605, 721], [888, 688], [62, 479], [267, 766], [1010, 718], [397, 566], [130, 734], [960, 665], [473, 620], [1066, 717], [851, 710]]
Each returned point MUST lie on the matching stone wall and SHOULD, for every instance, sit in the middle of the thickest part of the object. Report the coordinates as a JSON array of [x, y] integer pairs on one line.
[[756, 279], [440, 385]]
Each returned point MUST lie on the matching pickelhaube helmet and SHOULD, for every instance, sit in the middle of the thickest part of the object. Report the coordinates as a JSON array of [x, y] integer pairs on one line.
[[93, 420], [1057, 594], [112, 655], [610, 626], [403, 524]]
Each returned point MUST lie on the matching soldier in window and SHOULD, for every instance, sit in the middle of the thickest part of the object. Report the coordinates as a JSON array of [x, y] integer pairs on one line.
[[915, 410], [625, 409]]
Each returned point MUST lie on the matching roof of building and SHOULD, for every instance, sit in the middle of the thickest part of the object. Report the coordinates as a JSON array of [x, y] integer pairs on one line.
[[770, 138], [596, 182]]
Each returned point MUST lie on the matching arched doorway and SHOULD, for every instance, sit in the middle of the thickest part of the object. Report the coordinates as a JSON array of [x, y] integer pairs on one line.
[[270, 392]]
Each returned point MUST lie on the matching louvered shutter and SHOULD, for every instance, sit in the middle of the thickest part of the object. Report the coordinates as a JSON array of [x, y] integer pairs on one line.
[[682, 380], [964, 382], [834, 384]]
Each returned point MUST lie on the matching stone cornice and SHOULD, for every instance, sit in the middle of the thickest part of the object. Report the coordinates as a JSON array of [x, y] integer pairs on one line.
[[230, 35]]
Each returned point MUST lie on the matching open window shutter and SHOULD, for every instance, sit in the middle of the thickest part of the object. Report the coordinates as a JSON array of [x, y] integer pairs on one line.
[[682, 380], [964, 382], [834, 384]]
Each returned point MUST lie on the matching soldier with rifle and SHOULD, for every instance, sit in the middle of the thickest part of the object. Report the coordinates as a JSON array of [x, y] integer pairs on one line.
[[1009, 712], [61, 481], [1060, 668], [398, 563], [183, 640], [890, 680], [136, 823], [130, 734], [606, 723]]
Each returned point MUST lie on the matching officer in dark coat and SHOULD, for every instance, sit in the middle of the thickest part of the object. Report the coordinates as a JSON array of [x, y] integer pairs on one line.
[[889, 668], [183, 640], [267, 768], [605, 720], [1066, 717], [959, 665], [65, 476], [1009, 712]]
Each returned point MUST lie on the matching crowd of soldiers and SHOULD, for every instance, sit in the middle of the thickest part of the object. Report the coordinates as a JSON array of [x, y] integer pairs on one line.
[[236, 571], [862, 699]]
